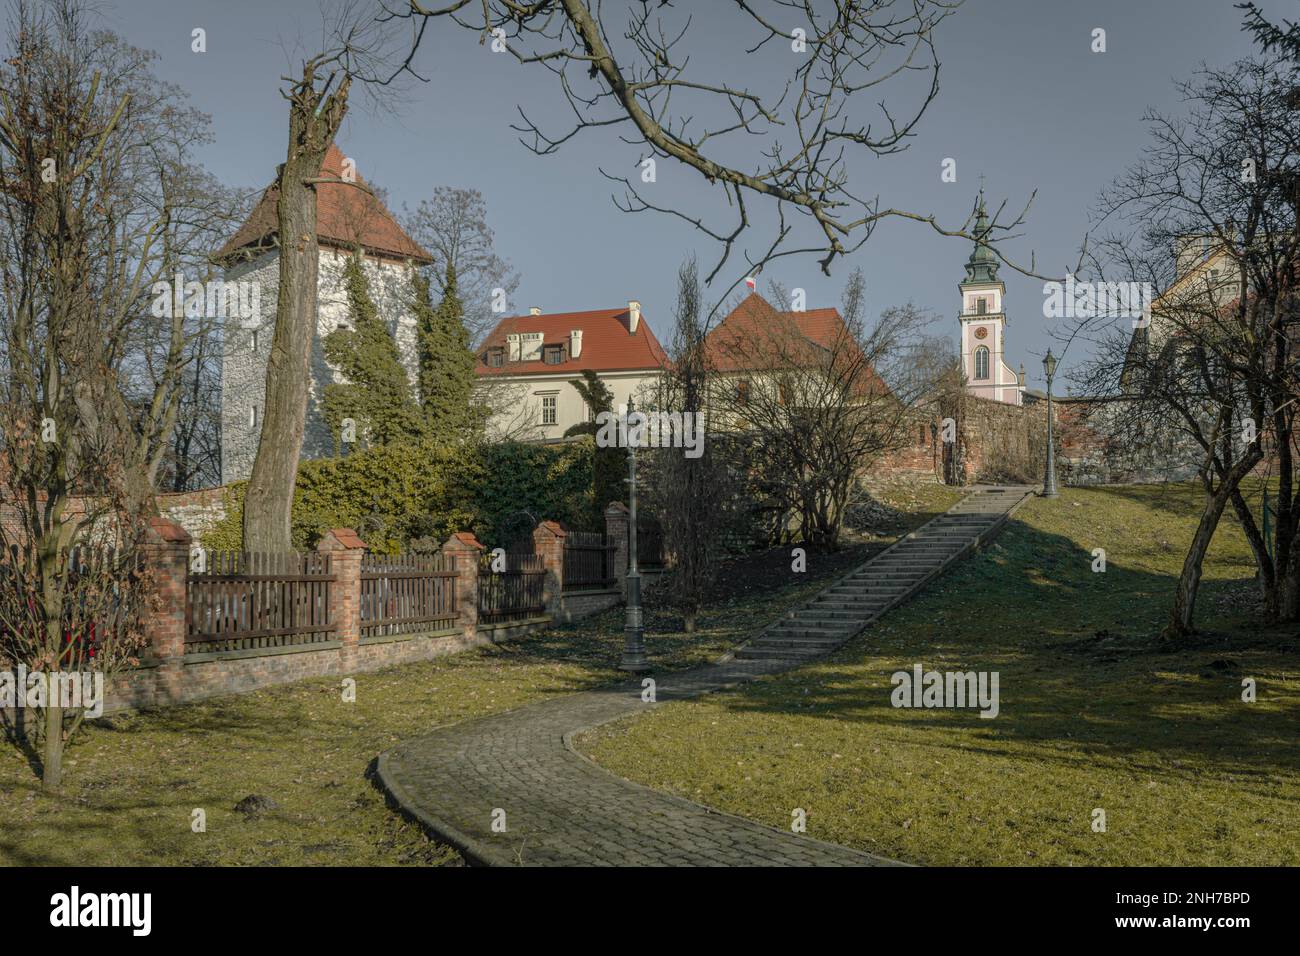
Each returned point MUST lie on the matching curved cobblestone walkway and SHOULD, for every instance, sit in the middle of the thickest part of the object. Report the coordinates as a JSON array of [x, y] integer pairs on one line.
[[563, 810], [560, 809]]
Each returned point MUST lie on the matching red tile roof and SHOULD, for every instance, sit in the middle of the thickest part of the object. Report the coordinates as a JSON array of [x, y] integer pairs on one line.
[[607, 346], [345, 216], [755, 317]]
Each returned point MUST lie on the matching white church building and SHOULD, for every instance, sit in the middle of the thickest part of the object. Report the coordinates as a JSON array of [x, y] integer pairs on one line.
[[983, 323]]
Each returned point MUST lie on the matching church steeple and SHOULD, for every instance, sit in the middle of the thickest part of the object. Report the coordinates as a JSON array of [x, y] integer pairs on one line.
[[983, 321], [982, 266]]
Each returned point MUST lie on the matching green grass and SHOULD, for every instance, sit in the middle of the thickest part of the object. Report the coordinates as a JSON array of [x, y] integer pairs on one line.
[[132, 781], [1095, 712]]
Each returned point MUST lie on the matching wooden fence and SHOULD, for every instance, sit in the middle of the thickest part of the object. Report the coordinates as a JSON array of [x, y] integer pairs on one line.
[[407, 594], [588, 561], [513, 594], [249, 600]]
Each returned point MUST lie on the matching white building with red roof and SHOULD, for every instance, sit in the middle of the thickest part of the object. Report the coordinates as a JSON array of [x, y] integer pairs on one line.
[[347, 218], [528, 364]]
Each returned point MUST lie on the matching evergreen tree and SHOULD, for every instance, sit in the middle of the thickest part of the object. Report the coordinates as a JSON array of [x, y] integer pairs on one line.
[[446, 362], [609, 465], [375, 392]]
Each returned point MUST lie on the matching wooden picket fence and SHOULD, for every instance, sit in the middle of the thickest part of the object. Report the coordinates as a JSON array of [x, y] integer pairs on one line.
[[249, 600], [513, 594], [407, 594]]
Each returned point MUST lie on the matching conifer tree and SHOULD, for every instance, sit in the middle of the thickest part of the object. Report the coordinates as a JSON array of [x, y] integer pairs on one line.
[[375, 392], [446, 362]]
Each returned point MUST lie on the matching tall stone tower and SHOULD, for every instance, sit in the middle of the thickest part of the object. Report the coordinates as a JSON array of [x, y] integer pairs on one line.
[[349, 221], [983, 322]]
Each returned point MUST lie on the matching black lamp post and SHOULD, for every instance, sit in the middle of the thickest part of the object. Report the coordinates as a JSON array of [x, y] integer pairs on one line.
[[1049, 478], [634, 660]]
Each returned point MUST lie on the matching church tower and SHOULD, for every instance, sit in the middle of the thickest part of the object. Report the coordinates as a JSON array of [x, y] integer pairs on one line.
[[983, 322]]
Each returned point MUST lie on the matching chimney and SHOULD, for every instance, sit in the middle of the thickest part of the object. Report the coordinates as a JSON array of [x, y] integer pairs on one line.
[[633, 315], [575, 343], [534, 311], [512, 346]]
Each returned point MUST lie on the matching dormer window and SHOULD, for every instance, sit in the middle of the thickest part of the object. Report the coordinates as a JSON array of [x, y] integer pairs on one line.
[[553, 354], [496, 358]]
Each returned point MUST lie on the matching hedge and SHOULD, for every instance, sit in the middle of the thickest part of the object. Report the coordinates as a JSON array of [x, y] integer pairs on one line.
[[417, 495]]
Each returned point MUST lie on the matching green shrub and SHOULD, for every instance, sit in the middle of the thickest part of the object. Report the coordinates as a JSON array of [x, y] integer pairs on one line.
[[389, 495], [525, 483], [228, 533], [417, 493]]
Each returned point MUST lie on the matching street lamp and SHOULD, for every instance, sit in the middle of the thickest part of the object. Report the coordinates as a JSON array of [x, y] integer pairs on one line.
[[634, 660], [1049, 477]]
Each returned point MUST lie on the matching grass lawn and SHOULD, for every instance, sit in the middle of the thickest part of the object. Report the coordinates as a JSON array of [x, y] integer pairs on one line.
[[1095, 713], [132, 781]]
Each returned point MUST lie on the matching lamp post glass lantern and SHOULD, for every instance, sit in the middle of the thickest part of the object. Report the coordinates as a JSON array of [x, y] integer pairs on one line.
[[634, 659], [1049, 474]]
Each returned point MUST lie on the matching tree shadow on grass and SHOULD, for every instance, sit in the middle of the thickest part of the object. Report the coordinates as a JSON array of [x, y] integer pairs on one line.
[[1081, 670]]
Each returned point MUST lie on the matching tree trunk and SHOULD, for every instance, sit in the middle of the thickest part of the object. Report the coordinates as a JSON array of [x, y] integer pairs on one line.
[[1180, 618], [52, 761], [269, 497], [1181, 615]]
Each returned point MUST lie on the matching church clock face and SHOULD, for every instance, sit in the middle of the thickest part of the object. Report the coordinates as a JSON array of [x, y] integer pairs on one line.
[[982, 332]]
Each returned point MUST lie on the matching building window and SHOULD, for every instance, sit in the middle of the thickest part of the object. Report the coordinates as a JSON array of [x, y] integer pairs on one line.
[[252, 340], [742, 391], [553, 354], [548, 409], [496, 358], [981, 362], [981, 305], [252, 416]]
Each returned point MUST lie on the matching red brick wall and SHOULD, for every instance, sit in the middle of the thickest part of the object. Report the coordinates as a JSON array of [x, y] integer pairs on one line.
[[169, 675]]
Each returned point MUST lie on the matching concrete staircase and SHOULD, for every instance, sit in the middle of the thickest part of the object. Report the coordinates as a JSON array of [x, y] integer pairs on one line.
[[888, 579]]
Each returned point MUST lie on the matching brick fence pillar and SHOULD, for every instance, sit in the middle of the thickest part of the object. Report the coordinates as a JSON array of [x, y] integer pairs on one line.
[[616, 531], [345, 550], [548, 543], [464, 550], [166, 552]]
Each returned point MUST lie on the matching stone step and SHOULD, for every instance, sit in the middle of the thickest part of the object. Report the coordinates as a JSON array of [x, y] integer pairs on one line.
[[756, 653], [811, 632], [866, 607], [781, 640], [842, 610]]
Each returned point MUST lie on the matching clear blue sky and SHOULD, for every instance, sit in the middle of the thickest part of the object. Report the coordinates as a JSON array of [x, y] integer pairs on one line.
[[1023, 100]]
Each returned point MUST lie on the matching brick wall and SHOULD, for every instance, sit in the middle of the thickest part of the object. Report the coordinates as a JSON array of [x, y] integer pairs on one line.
[[168, 675]]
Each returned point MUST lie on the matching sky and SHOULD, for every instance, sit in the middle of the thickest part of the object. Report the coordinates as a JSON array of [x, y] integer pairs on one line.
[[1023, 101]]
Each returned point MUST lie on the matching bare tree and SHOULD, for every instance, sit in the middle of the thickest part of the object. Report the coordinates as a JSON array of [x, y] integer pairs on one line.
[[97, 206], [788, 143], [822, 399], [452, 226], [693, 495], [1209, 216]]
